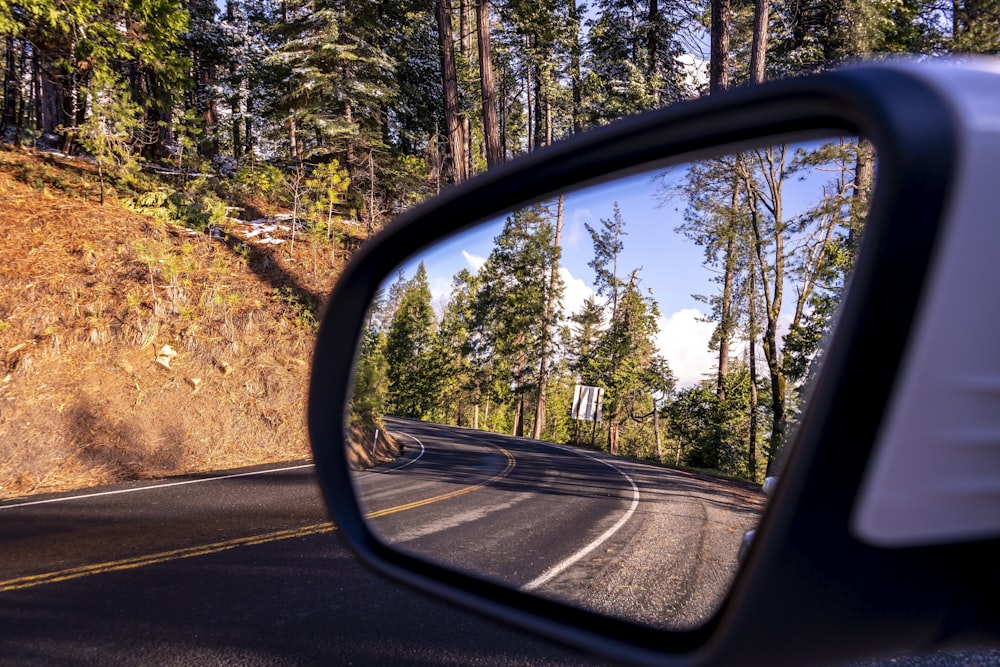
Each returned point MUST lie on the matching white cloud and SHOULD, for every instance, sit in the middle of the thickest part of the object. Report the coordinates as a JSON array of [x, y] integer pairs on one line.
[[475, 261], [574, 230], [683, 341], [575, 292]]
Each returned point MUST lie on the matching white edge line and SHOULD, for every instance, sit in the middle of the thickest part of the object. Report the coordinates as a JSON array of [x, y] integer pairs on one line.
[[150, 487], [414, 459], [557, 569]]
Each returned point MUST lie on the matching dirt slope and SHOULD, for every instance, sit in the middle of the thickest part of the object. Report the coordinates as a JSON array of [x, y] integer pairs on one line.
[[92, 301]]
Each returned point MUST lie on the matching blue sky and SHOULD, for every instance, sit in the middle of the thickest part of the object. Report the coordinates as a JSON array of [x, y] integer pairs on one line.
[[670, 264]]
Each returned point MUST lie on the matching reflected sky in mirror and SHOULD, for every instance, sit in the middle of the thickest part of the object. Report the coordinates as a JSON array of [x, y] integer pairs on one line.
[[578, 399]]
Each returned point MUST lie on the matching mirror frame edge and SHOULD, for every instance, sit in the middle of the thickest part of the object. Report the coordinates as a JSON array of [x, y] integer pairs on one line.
[[856, 100]]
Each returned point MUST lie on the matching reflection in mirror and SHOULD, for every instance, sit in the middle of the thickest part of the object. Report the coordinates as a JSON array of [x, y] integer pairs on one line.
[[583, 398]]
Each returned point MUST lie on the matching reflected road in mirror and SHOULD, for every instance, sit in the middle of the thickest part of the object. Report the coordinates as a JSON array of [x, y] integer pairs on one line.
[[638, 541], [582, 398]]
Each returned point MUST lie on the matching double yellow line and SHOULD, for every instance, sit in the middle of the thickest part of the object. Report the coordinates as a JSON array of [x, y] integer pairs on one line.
[[452, 494], [161, 557], [29, 581]]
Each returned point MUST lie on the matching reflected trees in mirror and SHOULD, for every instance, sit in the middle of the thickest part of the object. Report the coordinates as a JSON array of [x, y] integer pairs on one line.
[[694, 301]]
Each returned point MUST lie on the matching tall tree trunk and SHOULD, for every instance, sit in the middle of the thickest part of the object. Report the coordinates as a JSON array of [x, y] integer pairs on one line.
[[752, 305], [351, 155], [154, 118], [718, 77], [237, 131], [772, 166], [653, 45], [548, 326], [52, 97], [613, 428], [576, 82], [13, 114], [726, 311], [656, 432], [502, 102], [548, 120], [449, 85], [350, 149], [726, 318], [541, 124], [465, 11], [758, 57], [293, 144], [466, 19], [9, 90], [719, 81], [371, 192], [864, 181], [758, 51], [491, 130], [210, 113], [248, 137], [518, 430], [36, 90], [238, 104], [71, 106], [529, 93]]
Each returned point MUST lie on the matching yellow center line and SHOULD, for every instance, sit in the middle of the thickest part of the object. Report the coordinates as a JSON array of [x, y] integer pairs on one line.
[[161, 557], [19, 583], [452, 494]]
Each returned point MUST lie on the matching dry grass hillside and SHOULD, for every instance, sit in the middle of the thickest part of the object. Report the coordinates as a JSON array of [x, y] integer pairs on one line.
[[93, 299]]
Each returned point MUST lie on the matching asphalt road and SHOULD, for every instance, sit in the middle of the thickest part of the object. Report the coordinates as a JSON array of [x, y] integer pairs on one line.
[[641, 542], [235, 569], [243, 568]]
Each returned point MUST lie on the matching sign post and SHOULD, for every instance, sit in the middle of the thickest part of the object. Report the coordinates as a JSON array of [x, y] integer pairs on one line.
[[587, 403]]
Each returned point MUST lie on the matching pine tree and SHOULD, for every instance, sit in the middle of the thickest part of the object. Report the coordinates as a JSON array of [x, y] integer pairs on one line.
[[608, 245], [511, 304], [449, 84], [111, 132], [57, 47], [408, 350], [453, 364], [626, 358], [619, 356], [632, 60]]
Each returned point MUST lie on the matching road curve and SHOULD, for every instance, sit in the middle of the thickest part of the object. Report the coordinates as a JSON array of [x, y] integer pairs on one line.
[[641, 542], [242, 568]]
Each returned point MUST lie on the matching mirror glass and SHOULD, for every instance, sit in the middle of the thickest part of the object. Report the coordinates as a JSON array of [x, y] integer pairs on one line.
[[583, 398]]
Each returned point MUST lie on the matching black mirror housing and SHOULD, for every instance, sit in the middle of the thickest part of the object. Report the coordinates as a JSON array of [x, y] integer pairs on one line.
[[817, 581]]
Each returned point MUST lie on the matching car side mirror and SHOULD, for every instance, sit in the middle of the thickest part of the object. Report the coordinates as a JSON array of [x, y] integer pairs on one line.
[[882, 529]]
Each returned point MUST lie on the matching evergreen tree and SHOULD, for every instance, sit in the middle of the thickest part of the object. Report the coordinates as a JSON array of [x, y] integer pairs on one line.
[[608, 245], [711, 432], [633, 49], [111, 132], [452, 363], [615, 341], [63, 44], [511, 304], [408, 350], [626, 359], [335, 78]]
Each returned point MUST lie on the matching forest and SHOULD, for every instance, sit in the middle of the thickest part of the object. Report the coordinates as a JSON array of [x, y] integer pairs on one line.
[[763, 242], [346, 114], [398, 99]]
